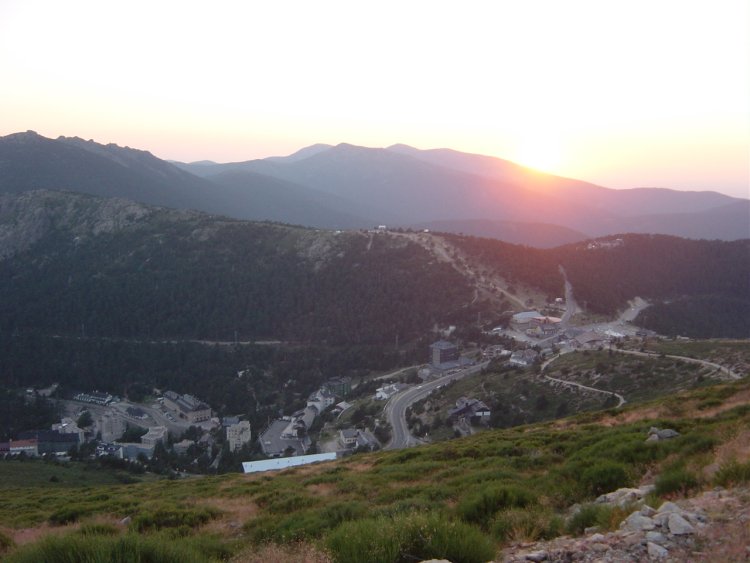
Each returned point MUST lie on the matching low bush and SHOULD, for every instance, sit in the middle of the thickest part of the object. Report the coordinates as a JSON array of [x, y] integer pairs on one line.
[[605, 516], [677, 480], [130, 548], [6, 543], [407, 538], [526, 525], [68, 514], [481, 507], [98, 529], [604, 476], [172, 517], [732, 473]]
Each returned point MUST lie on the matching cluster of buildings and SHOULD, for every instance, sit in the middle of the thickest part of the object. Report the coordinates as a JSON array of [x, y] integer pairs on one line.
[[470, 410], [289, 435], [56, 441], [95, 398], [533, 323], [187, 407], [356, 439]]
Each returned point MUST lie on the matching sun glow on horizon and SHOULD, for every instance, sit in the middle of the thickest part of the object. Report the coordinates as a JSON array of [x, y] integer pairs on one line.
[[542, 152], [623, 94]]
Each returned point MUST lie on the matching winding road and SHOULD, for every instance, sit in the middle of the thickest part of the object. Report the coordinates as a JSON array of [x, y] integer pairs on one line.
[[621, 400], [731, 374], [395, 408]]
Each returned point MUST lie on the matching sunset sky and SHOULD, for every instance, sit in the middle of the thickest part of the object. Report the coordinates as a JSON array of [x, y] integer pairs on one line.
[[620, 93]]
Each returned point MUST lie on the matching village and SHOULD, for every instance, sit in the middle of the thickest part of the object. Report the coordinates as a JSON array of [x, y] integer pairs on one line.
[[100, 424]]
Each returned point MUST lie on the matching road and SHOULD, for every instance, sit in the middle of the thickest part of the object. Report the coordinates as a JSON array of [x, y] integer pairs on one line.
[[571, 307], [395, 408], [731, 374], [621, 400]]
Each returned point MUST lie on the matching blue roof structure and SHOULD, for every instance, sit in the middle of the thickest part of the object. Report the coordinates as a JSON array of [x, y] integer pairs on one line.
[[279, 463]]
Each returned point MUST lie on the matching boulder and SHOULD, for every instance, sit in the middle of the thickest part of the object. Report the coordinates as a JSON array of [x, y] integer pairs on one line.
[[679, 526], [655, 551], [656, 537], [537, 556], [636, 522], [668, 507]]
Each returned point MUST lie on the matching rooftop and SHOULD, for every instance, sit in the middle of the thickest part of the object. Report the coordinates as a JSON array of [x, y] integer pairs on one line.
[[285, 462], [442, 345]]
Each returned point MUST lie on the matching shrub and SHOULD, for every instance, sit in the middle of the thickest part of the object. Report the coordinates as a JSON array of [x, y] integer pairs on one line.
[[733, 473], [604, 476], [697, 443], [480, 507], [678, 480], [98, 530], [365, 541], [409, 537], [164, 517], [130, 548], [6, 543], [605, 516], [68, 514], [526, 525]]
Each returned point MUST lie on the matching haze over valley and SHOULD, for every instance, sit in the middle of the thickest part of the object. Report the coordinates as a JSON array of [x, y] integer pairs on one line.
[[348, 282]]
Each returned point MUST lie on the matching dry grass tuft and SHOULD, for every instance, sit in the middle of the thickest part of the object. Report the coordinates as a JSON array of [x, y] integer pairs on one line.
[[293, 553]]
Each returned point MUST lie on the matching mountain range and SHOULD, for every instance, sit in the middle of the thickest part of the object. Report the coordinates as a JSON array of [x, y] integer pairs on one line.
[[351, 187]]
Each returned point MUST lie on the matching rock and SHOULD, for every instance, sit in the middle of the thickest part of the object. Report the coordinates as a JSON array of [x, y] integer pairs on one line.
[[656, 551], [591, 530], [646, 510], [647, 489], [597, 538], [537, 556], [620, 497], [126, 521], [669, 507], [679, 526], [656, 537], [636, 522], [695, 517], [633, 540], [655, 434], [599, 547]]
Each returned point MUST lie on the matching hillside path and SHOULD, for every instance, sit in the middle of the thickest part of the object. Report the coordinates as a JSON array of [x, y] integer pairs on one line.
[[621, 400], [731, 374]]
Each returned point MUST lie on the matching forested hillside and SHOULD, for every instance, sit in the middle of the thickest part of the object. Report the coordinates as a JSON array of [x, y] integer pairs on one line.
[[178, 275], [700, 288]]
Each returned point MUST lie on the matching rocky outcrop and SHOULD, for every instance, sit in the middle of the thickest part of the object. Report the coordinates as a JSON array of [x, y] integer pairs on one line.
[[27, 217], [689, 530]]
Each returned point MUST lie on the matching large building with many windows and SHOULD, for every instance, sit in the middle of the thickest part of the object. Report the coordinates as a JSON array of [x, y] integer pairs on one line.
[[187, 407], [238, 435], [442, 352]]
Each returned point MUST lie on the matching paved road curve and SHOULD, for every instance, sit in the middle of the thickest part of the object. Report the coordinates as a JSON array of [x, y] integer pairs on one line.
[[395, 408], [620, 398]]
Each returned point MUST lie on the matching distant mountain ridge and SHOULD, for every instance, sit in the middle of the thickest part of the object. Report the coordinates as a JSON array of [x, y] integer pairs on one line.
[[349, 187], [129, 270]]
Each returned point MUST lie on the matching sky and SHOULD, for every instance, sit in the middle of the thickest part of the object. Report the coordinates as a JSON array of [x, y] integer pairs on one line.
[[620, 93]]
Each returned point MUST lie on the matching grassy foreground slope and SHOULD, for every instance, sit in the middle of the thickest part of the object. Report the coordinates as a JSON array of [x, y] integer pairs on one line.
[[461, 500]]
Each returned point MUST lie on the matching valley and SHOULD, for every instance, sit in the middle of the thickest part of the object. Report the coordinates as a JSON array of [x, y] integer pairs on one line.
[[167, 348]]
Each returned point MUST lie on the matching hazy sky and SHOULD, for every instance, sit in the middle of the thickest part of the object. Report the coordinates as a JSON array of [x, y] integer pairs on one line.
[[622, 93]]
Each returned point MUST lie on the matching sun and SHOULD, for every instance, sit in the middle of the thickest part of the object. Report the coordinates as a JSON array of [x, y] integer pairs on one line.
[[542, 152]]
